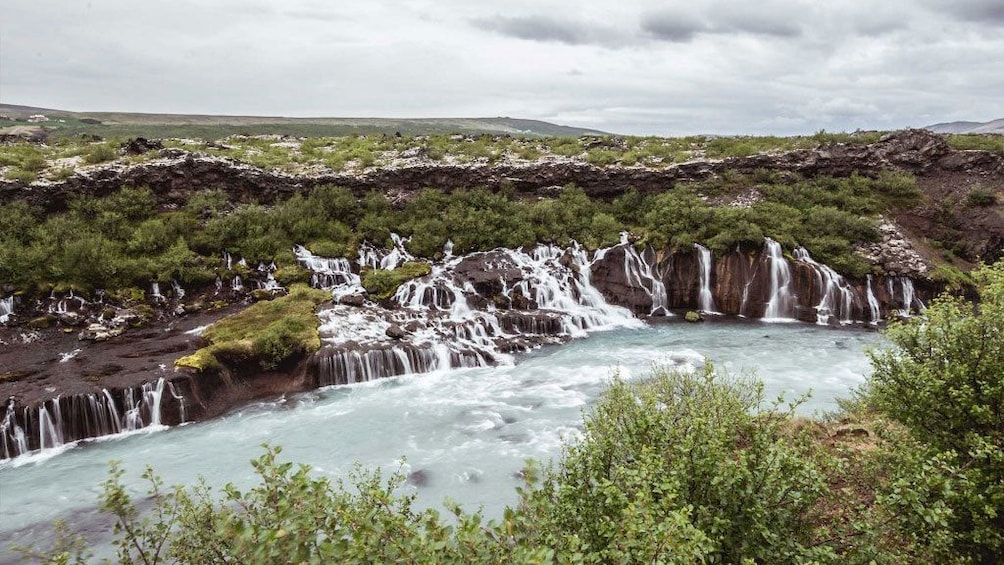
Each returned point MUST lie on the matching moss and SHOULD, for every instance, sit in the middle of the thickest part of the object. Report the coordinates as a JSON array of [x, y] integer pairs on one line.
[[692, 317], [268, 332], [383, 284], [292, 274]]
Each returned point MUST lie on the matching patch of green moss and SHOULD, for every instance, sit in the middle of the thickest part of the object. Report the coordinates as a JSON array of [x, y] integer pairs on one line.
[[269, 332], [383, 284]]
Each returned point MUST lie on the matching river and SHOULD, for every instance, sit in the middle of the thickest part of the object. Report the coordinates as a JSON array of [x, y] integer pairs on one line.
[[468, 431]]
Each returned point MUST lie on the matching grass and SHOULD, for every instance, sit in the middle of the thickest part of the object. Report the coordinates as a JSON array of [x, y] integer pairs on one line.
[[269, 333]]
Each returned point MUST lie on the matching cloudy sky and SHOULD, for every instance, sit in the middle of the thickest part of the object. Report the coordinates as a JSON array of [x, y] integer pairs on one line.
[[627, 66]]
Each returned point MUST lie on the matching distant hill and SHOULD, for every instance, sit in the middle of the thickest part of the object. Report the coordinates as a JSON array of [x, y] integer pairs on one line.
[[996, 126], [108, 124]]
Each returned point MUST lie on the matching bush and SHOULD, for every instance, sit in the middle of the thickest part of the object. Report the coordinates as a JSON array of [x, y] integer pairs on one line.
[[681, 468], [944, 380], [980, 197], [100, 152]]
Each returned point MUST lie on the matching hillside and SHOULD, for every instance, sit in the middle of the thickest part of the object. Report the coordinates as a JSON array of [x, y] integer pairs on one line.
[[995, 127], [126, 124]]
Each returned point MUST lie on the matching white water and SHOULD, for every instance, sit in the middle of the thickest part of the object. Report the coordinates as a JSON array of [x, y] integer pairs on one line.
[[873, 304], [6, 309], [837, 300], [907, 297], [469, 430], [445, 332], [640, 274], [705, 299], [781, 306]]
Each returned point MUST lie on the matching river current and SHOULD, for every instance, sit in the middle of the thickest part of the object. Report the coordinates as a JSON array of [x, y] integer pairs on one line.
[[468, 431]]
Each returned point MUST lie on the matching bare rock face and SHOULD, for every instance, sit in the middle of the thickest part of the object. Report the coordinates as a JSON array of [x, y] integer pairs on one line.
[[895, 254], [611, 278]]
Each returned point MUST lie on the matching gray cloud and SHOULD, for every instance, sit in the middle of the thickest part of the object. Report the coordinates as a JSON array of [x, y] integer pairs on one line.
[[671, 26], [710, 66], [978, 11], [547, 29]]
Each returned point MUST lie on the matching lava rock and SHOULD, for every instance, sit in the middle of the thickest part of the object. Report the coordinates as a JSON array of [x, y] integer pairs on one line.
[[396, 332]]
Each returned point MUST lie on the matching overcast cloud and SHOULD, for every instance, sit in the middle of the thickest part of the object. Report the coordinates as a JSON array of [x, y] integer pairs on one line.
[[632, 66]]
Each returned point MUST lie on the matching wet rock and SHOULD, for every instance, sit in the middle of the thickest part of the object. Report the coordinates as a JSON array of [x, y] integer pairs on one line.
[[419, 478], [357, 300], [396, 332]]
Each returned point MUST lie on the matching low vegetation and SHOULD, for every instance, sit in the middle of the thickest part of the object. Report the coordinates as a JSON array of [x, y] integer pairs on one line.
[[124, 241], [676, 468], [267, 333]]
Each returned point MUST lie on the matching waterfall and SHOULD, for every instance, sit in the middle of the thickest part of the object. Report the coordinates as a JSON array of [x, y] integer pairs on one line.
[[443, 329], [781, 306], [907, 296], [705, 298], [155, 292], [6, 309], [179, 292], [644, 276], [837, 298], [873, 304], [62, 420], [374, 258], [237, 284], [335, 274]]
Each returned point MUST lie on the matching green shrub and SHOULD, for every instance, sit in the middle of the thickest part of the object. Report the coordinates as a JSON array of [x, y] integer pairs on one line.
[[681, 467], [100, 152], [980, 197], [950, 367]]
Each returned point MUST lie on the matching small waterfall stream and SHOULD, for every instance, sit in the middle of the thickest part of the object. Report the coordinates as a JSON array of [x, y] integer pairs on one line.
[[781, 306], [6, 309], [837, 300], [705, 298], [873, 304]]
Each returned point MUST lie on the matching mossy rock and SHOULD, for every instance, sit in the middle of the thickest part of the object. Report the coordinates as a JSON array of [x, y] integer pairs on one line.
[[268, 332], [292, 274], [382, 283], [693, 317]]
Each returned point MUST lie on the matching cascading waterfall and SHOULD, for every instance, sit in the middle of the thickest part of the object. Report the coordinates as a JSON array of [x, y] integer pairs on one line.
[[837, 298], [6, 309], [642, 275], [907, 296], [443, 330], [62, 420], [873, 303], [781, 306], [705, 298]]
